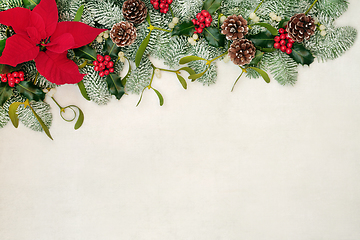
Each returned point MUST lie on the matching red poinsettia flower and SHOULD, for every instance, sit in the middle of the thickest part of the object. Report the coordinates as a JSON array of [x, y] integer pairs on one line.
[[40, 37]]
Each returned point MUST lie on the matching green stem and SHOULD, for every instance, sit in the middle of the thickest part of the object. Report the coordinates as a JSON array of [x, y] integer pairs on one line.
[[259, 6], [210, 61], [61, 108], [172, 14], [243, 70], [161, 29], [152, 78], [312, 5]]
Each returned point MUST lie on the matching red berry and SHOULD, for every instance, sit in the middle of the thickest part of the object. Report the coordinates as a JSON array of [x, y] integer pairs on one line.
[[283, 48], [110, 64], [197, 22], [11, 84], [283, 36], [105, 63], [282, 42], [107, 58], [11, 79], [289, 45], [198, 15], [162, 5], [106, 72], [15, 74], [156, 5], [202, 25], [193, 21], [166, 10], [281, 30], [101, 74], [208, 20], [17, 80], [166, 5], [291, 41], [8, 75], [22, 79], [205, 13], [100, 58], [101, 65], [195, 31], [277, 39], [287, 36], [277, 45], [169, 1], [207, 24], [288, 50], [95, 63], [97, 68], [111, 70], [201, 19], [4, 79], [199, 30]]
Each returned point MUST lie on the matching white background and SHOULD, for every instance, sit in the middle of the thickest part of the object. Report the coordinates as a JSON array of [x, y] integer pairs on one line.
[[263, 162]]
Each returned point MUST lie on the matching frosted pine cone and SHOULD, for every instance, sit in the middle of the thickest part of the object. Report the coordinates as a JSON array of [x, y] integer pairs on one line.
[[234, 27], [123, 34], [301, 27], [134, 11], [242, 51]]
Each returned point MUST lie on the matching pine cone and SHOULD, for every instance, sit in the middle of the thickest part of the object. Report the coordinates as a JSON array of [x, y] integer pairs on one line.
[[134, 11], [123, 34], [234, 27], [301, 27], [242, 51]]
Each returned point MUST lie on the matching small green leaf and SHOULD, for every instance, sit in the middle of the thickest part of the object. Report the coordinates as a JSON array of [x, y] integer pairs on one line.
[[2, 46], [30, 3], [86, 52], [196, 76], [142, 93], [80, 120], [141, 50], [262, 40], [212, 5], [115, 86], [5, 93], [83, 90], [264, 75], [188, 69], [283, 22], [182, 81], [185, 28], [161, 99], [13, 113], [301, 55], [79, 13], [214, 37], [43, 125], [123, 81], [258, 56], [271, 29], [30, 91], [188, 59], [110, 48]]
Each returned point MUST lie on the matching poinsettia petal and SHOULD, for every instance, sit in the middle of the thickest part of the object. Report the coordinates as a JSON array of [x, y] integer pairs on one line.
[[47, 9], [34, 35], [83, 34], [18, 49], [38, 22], [61, 43], [17, 18], [57, 68]]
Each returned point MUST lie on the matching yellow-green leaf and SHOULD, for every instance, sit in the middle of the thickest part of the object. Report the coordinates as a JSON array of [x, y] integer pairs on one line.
[[188, 59], [79, 13], [161, 99], [263, 74], [182, 81], [272, 30], [80, 120], [188, 69], [141, 50], [43, 125], [83, 90], [13, 113]]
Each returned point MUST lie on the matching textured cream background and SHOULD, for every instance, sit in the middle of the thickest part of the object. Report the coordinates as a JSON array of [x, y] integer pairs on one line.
[[264, 162]]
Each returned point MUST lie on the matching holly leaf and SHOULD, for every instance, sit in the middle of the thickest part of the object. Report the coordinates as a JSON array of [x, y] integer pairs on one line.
[[2, 45], [30, 3], [262, 40], [30, 91], [114, 85], [185, 28], [271, 29], [141, 50], [86, 52], [110, 48], [212, 5], [214, 37], [5, 93], [301, 55]]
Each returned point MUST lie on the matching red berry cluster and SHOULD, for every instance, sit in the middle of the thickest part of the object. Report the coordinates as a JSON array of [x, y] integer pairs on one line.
[[103, 65], [203, 20], [163, 5], [283, 42], [12, 78]]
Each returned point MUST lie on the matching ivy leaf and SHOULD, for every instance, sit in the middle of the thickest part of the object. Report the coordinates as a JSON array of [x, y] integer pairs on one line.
[[114, 85], [83, 90], [271, 29], [5, 93], [110, 48], [301, 55], [264, 75], [188, 59], [30, 91], [30, 3], [214, 37], [258, 56], [182, 81], [188, 69], [86, 52], [13, 113], [141, 50], [262, 40], [79, 13], [161, 99], [185, 28], [212, 5], [2, 46]]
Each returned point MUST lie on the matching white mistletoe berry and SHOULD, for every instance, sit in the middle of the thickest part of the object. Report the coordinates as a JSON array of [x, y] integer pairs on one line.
[[226, 59], [106, 35], [252, 16], [274, 17], [175, 20], [222, 19], [272, 14], [158, 73], [121, 54], [256, 19], [278, 18], [171, 25], [99, 39], [323, 33], [122, 59], [52, 92], [195, 36], [322, 27]]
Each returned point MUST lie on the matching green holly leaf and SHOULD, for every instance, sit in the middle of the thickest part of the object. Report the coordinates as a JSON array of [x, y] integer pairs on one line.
[[141, 50], [214, 37], [2, 46], [184, 28], [262, 40], [212, 5], [110, 48], [115, 86], [86, 52], [30, 91], [301, 55], [30, 3], [5, 93], [271, 29]]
